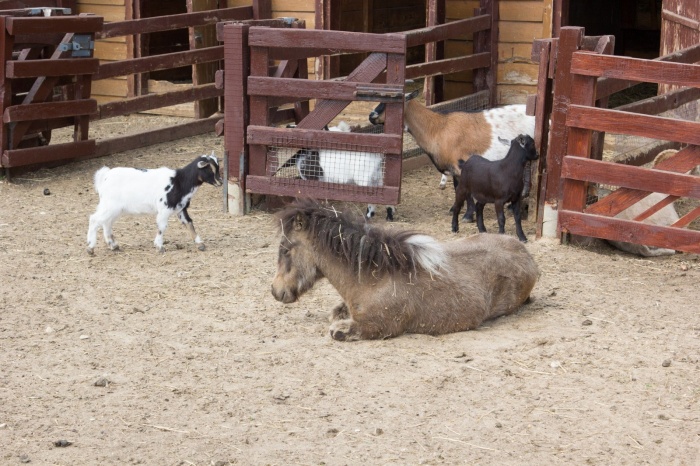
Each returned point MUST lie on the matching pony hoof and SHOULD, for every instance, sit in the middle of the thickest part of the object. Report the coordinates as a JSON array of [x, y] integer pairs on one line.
[[468, 219], [343, 330], [338, 335], [201, 247]]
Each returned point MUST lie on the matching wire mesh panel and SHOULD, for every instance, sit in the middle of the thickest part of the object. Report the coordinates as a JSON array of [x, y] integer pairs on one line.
[[348, 166]]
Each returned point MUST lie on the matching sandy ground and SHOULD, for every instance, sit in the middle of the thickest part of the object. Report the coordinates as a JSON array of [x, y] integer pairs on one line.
[[185, 358]]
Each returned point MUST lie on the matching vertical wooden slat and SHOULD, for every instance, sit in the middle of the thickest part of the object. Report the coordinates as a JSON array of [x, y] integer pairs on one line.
[[259, 116], [543, 109], [433, 87], [6, 45], [579, 143], [487, 41], [569, 41], [236, 70]]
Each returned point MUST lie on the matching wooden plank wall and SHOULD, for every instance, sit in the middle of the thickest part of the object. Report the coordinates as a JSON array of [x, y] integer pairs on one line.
[[521, 22], [107, 50]]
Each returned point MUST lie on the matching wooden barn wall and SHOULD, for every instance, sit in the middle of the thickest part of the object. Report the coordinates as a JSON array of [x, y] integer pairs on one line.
[[521, 22], [113, 49]]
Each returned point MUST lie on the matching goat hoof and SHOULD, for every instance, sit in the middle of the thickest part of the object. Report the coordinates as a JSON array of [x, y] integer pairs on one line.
[[201, 247], [115, 247], [161, 249], [91, 251]]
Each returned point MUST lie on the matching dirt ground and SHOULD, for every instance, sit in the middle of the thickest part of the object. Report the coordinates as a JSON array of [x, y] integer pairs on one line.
[[185, 358]]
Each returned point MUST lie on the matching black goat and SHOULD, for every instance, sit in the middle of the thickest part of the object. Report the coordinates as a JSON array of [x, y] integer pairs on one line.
[[495, 182]]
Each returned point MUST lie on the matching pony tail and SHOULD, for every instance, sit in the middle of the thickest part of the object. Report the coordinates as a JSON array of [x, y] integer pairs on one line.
[[428, 253]]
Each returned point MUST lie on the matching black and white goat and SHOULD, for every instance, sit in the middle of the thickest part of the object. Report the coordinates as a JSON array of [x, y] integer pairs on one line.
[[448, 138], [342, 166], [161, 191], [495, 182]]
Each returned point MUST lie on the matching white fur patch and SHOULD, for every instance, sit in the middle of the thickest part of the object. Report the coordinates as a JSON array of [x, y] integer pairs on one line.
[[507, 123], [429, 253]]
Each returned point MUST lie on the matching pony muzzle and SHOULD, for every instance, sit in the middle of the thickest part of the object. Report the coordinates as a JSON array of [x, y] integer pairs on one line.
[[283, 295]]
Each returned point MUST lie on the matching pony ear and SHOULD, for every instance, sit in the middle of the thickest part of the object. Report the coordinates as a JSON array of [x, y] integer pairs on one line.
[[300, 222]]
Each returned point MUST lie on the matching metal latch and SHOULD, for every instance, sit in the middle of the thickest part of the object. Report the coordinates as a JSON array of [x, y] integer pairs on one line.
[[81, 46]]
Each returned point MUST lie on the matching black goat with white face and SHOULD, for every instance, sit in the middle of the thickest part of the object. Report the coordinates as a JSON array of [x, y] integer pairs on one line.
[[495, 182], [161, 191]]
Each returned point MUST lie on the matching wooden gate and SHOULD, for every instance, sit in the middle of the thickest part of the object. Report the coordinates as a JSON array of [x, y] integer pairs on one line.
[[266, 95], [578, 168], [47, 67]]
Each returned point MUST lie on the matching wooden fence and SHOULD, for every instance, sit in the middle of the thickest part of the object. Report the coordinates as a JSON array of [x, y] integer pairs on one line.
[[48, 69], [574, 159], [251, 139]]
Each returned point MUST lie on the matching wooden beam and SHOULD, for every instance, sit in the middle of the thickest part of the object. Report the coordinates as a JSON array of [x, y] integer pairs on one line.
[[320, 190], [614, 121], [153, 101], [159, 62], [643, 179], [616, 229], [333, 41], [54, 24], [52, 153], [157, 136], [49, 110], [59, 67], [170, 22]]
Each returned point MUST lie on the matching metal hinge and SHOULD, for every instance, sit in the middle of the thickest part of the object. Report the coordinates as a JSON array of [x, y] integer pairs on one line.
[[81, 46]]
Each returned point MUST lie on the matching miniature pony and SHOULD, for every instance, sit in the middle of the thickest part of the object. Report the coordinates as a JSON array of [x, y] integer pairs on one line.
[[394, 282]]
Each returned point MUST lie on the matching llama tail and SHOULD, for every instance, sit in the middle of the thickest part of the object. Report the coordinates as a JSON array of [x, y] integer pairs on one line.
[[428, 253], [100, 177]]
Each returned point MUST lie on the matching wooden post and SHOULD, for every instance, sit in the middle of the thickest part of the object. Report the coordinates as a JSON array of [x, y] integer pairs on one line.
[[542, 52], [236, 71], [433, 87], [485, 78], [570, 40], [6, 45]]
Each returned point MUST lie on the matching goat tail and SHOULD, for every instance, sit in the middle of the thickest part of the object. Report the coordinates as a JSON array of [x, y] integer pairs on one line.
[[100, 177], [428, 253]]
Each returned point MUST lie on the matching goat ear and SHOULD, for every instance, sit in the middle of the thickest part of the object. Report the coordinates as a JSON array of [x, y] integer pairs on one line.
[[202, 164], [412, 95], [522, 141], [300, 222]]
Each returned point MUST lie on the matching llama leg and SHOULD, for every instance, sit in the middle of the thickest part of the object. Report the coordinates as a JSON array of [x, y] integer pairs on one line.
[[162, 223], [501, 216], [187, 221], [480, 217], [518, 221]]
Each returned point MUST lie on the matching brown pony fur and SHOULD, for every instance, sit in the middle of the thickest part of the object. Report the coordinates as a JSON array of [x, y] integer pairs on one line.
[[386, 291]]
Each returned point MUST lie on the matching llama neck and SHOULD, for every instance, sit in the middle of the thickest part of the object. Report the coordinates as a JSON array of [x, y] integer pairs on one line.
[[424, 124]]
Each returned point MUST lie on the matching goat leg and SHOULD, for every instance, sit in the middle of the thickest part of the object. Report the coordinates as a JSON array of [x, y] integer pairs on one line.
[[186, 220], [480, 217], [501, 216], [469, 214], [518, 221], [456, 208]]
